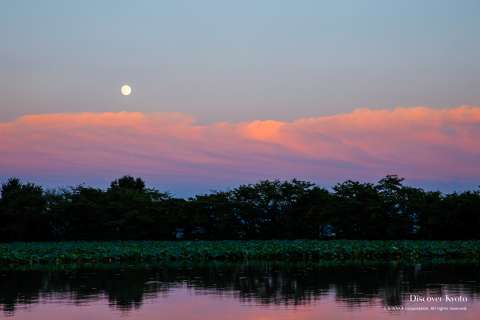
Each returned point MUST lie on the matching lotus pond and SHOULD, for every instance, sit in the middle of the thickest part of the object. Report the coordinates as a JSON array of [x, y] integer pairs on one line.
[[194, 290], [285, 250]]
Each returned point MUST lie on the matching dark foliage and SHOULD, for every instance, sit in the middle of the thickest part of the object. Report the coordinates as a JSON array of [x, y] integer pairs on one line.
[[128, 210]]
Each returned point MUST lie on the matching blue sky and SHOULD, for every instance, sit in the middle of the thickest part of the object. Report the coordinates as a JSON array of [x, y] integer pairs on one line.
[[237, 60], [224, 68]]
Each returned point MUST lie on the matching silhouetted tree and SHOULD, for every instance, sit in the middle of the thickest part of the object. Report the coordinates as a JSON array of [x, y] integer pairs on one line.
[[356, 211], [136, 212], [265, 210], [22, 211]]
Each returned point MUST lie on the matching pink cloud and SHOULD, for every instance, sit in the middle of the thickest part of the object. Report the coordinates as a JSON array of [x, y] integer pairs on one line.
[[418, 143]]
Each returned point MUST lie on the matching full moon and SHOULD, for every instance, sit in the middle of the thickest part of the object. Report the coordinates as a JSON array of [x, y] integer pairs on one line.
[[126, 90]]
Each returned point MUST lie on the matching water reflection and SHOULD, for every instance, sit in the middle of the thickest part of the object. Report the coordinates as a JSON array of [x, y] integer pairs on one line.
[[128, 287]]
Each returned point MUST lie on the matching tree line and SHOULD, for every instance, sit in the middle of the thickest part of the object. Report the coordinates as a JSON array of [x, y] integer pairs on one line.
[[294, 209]]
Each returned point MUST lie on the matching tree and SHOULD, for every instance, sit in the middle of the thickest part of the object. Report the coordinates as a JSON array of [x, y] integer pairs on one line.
[[275, 209], [128, 183], [265, 207], [356, 211], [400, 206], [135, 211], [309, 217], [22, 211]]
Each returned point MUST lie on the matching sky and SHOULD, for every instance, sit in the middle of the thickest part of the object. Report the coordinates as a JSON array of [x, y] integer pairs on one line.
[[228, 92]]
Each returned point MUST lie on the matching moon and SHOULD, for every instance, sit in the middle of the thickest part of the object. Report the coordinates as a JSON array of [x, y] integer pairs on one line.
[[126, 90]]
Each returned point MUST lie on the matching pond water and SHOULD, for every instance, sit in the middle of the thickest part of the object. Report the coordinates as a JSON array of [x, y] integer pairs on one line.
[[253, 290]]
